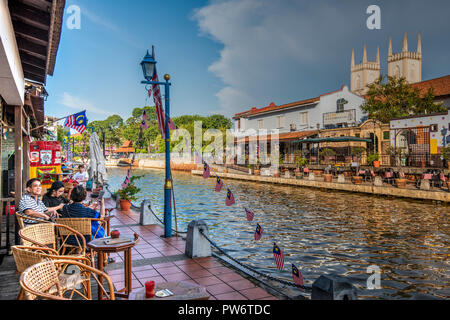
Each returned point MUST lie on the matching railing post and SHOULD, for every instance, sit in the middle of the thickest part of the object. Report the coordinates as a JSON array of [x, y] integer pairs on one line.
[[146, 213], [196, 244]]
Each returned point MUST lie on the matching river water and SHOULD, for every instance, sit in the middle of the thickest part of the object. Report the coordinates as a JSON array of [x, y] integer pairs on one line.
[[321, 232]]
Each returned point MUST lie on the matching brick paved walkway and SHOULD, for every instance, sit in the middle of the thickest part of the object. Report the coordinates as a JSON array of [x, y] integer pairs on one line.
[[162, 260]]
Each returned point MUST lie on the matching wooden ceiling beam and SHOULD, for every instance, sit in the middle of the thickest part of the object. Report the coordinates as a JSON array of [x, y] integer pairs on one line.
[[32, 60], [34, 77], [30, 32], [29, 14], [31, 47]]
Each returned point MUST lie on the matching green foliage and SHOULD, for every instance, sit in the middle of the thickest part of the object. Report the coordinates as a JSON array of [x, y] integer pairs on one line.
[[445, 152], [397, 98], [373, 157], [357, 151], [301, 162], [327, 152], [130, 191]]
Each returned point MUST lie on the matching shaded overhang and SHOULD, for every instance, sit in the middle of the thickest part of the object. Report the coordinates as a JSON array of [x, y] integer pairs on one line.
[[334, 139]]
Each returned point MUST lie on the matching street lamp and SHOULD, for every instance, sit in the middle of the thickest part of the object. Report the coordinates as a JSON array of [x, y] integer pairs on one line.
[[148, 68]]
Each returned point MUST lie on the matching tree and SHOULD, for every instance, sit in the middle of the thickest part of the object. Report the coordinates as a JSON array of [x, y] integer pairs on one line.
[[397, 98]]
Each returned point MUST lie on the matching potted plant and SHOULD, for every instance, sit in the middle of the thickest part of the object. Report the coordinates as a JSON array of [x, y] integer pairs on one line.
[[357, 152], [128, 194], [372, 159], [300, 163], [327, 153]]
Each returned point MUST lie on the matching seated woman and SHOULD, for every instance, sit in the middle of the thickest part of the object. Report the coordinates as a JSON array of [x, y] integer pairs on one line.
[[78, 210], [54, 196]]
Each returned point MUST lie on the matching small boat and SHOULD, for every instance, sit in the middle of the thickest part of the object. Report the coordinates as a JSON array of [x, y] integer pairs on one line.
[[124, 163]]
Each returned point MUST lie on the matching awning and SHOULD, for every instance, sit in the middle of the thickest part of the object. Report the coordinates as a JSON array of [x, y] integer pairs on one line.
[[282, 137], [334, 139]]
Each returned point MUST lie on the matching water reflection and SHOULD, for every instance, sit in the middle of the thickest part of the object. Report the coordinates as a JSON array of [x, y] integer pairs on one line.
[[319, 231]]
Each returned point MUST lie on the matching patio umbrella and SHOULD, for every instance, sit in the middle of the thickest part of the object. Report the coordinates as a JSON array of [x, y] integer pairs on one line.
[[97, 161]]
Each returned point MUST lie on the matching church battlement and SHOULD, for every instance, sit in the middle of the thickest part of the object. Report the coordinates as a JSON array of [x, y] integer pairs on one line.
[[366, 65], [405, 55]]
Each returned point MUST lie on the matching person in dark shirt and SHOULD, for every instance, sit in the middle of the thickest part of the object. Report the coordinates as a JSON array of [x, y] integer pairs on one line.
[[54, 196], [78, 210]]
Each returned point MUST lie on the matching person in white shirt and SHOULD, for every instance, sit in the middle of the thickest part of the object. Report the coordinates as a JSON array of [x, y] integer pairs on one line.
[[82, 176]]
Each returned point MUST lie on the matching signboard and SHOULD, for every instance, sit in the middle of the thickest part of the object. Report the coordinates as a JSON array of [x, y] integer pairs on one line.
[[334, 118]]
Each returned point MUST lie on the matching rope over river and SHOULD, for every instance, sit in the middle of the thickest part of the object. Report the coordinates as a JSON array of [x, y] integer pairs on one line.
[[321, 232]]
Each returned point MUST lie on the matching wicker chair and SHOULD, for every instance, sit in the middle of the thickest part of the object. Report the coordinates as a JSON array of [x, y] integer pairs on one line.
[[55, 236], [21, 217], [25, 257], [42, 281]]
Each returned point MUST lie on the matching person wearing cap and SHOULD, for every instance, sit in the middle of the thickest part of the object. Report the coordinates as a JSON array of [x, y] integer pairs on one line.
[[54, 196]]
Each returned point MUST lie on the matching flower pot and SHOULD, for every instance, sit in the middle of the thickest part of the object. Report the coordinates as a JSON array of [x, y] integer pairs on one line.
[[125, 205], [401, 183], [327, 178], [376, 163], [357, 180], [256, 173], [277, 174]]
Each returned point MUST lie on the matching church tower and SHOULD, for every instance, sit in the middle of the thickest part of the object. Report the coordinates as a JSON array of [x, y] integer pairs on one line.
[[406, 64], [364, 73]]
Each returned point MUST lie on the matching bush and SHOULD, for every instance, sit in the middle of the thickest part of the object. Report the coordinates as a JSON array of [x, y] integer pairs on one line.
[[445, 151], [130, 191], [373, 157], [327, 152]]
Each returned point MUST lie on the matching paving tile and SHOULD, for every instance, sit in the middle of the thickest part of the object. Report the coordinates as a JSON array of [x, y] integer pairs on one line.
[[219, 270], [168, 253], [269, 298], [219, 288], [144, 267], [210, 264], [207, 281], [176, 277], [168, 270], [191, 267], [146, 273], [230, 296], [228, 277], [254, 293], [184, 262], [163, 264], [241, 284], [152, 255], [156, 279], [198, 273]]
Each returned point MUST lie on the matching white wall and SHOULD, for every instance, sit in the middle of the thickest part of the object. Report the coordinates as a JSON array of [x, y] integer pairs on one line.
[[12, 84]]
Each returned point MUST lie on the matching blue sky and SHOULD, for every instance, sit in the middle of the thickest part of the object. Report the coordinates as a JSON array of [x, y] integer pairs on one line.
[[225, 56]]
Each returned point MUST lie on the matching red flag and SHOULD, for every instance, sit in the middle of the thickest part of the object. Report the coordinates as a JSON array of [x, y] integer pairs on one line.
[[258, 232], [297, 277], [230, 198], [219, 185], [278, 256], [249, 214], [206, 171], [125, 183]]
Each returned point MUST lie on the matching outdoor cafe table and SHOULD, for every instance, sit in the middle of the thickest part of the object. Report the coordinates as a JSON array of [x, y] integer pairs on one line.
[[99, 246], [182, 290]]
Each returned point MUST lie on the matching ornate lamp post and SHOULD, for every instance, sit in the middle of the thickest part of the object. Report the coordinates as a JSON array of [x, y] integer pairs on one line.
[[148, 68]]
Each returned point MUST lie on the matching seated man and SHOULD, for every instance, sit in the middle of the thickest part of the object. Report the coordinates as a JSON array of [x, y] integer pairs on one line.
[[82, 176], [31, 205]]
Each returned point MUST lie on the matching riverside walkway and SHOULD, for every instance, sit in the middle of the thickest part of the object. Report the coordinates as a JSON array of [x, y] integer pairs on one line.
[[365, 187], [159, 259]]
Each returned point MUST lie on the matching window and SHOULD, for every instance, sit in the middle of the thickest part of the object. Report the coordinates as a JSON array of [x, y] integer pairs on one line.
[[280, 121], [304, 118], [340, 105], [434, 128], [386, 135], [260, 124]]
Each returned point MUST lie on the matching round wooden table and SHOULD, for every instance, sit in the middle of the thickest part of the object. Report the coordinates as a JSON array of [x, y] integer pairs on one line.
[[101, 246]]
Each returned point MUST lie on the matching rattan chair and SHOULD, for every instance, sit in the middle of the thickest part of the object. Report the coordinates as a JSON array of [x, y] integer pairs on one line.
[[55, 236], [25, 257], [43, 281], [21, 217]]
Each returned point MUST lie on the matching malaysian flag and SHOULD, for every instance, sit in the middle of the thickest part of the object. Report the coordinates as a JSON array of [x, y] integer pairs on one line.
[[219, 185], [249, 214], [206, 171], [297, 277], [258, 232], [278, 256], [77, 121], [230, 198], [126, 182]]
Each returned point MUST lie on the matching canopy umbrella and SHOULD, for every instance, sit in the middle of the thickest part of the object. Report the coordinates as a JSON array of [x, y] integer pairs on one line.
[[97, 161]]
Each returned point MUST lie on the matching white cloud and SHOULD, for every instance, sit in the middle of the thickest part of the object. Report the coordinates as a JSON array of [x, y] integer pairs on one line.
[[271, 46], [79, 104]]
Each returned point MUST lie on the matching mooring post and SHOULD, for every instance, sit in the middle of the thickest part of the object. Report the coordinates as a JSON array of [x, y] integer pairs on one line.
[[196, 244], [146, 213], [117, 201], [331, 287]]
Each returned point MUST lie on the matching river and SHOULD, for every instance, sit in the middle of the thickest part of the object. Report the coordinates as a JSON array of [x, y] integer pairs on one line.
[[321, 232]]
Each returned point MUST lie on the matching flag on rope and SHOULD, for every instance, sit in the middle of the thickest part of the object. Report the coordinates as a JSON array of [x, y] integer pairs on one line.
[[258, 232], [297, 277], [126, 182], [206, 170], [230, 198], [144, 124], [278, 256], [128, 173], [219, 184], [77, 121], [249, 214]]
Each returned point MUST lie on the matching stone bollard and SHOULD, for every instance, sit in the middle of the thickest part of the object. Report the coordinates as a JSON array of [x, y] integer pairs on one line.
[[333, 288], [311, 177], [378, 181], [341, 178], [117, 201], [196, 244], [146, 213], [425, 184]]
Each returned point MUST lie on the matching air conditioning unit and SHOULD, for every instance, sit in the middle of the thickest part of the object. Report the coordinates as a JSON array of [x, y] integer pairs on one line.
[[293, 127]]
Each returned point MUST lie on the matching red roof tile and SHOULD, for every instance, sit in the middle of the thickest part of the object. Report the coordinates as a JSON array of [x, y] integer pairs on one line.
[[441, 86]]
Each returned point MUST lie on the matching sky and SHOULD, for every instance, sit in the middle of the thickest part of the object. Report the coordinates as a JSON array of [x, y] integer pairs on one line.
[[226, 56]]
